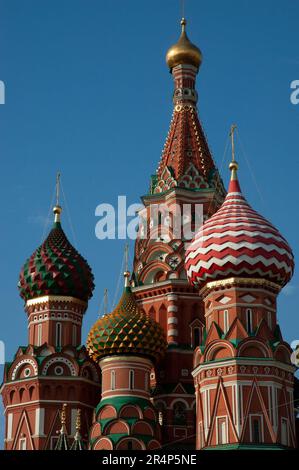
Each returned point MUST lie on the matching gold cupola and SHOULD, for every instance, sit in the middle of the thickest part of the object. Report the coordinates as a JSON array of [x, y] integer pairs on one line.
[[183, 52]]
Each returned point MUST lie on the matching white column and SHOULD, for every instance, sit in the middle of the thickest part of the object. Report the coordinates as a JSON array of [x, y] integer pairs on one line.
[[9, 426], [39, 422]]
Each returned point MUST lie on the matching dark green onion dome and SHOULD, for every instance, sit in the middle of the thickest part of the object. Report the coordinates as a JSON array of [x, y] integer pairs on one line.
[[56, 268], [126, 331]]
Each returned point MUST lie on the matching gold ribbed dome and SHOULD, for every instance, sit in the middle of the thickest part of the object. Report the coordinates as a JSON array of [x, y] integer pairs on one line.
[[183, 52]]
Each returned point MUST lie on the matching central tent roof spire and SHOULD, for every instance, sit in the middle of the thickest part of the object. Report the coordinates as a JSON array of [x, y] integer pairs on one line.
[[186, 159]]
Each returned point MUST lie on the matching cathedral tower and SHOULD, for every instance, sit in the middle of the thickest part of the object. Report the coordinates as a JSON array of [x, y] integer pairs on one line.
[[54, 368], [185, 188], [244, 379], [127, 345]]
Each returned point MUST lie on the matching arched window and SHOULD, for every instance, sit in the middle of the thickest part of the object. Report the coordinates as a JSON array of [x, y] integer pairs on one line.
[[39, 334], [113, 380], [180, 413], [58, 335], [225, 321], [131, 379], [249, 320], [196, 336], [74, 336]]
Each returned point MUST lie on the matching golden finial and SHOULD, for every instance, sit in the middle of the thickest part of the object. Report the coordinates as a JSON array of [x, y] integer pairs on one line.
[[183, 52], [57, 208], [78, 421], [105, 301], [63, 419], [126, 264], [233, 166]]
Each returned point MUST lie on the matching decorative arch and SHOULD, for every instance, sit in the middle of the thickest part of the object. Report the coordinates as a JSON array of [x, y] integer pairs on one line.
[[107, 412], [283, 354], [219, 350], [130, 411], [103, 443], [118, 426], [21, 363], [152, 445], [63, 360], [91, 370], [123, 444], [142, 427], [151, 270], [253, 348]]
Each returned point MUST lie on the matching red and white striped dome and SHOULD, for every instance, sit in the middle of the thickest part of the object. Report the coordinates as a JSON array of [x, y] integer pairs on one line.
[[237, 241]]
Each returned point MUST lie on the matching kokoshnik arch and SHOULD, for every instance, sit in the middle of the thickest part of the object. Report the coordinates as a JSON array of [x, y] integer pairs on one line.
[[193, 355]]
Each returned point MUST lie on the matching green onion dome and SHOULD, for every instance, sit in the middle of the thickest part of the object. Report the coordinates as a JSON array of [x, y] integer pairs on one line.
[[56, 268], [126, 331]]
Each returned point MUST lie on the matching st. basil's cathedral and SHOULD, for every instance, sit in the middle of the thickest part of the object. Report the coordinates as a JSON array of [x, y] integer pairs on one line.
[[192, 357]]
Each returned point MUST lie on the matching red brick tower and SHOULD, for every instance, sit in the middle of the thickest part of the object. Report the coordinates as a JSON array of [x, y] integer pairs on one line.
[[55, 283], [243, 376], [186, 185], [127, 345]]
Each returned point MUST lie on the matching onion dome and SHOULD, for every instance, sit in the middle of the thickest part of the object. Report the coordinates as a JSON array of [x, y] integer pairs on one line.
[[126, 331], [183, 52], [56, 268], [237, 241]]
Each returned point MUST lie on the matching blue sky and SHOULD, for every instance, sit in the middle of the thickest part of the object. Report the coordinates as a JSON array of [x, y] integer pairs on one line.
[[88, 93]]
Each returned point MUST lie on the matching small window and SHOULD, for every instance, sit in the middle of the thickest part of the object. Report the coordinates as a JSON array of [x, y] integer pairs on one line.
[[225, 321], [249, 320], [222, 431], [113, 380], [256, 429], [131, 379], [196, 337], [39, 334], [58, 335], [22, 443]]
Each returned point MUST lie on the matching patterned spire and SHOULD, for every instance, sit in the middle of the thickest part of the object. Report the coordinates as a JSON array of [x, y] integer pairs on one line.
[[62, 443], [186, 159]]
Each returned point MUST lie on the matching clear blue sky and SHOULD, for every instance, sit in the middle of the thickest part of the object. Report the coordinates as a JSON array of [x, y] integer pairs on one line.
[[88, 93]]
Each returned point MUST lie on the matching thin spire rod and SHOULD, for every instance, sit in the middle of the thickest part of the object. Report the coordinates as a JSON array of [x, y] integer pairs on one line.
[[232, 135], [57, 209], [233, 166], [183, 8], [57, 188], [126, 266], [105, 301]]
